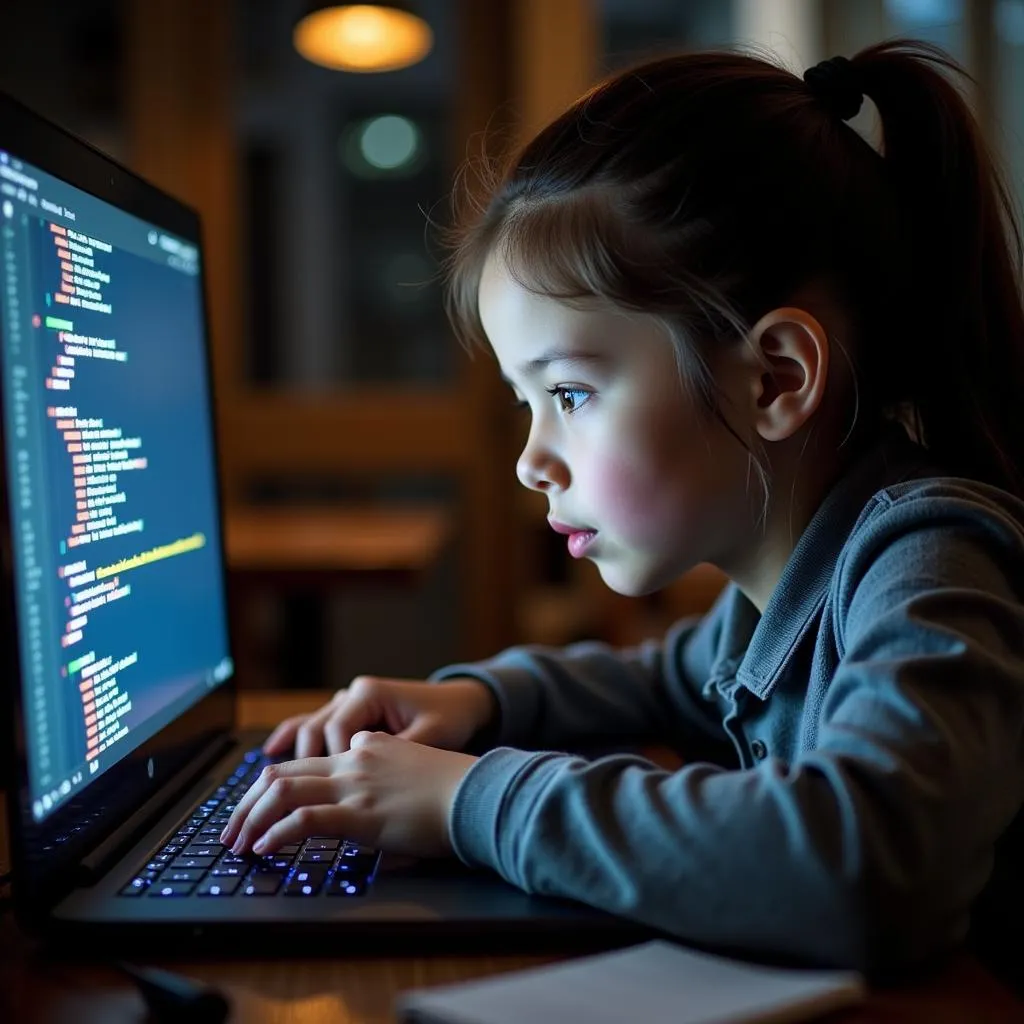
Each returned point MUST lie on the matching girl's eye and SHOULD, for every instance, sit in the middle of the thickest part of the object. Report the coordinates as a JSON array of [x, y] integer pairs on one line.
[[569, 399]]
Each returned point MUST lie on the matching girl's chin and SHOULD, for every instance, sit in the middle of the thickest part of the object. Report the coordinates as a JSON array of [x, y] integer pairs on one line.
[[630, 584], [638, 579]]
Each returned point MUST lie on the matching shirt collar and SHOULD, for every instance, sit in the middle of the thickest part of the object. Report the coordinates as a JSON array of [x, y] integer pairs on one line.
[[770, 641]]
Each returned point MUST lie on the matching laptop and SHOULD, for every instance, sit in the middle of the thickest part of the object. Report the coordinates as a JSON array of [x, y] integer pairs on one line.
[[124, 760]]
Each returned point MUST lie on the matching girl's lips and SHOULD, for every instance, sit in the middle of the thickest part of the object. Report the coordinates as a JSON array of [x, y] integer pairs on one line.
[[580, 541], [579, 537], [565, 527]]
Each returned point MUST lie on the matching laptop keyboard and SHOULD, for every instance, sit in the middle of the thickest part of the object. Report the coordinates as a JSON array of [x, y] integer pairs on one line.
[[193, 862]]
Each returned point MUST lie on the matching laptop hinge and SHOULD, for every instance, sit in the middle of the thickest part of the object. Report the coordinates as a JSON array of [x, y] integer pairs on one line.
[[99, 860]]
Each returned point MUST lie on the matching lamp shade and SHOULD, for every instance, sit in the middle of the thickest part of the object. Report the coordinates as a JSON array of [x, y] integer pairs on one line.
[[363, 37]]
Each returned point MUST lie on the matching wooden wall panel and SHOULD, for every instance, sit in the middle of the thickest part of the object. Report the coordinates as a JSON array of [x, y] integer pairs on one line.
[[179, 81]]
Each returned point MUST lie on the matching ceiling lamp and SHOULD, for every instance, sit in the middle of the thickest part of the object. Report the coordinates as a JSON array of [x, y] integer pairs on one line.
[[363, 37]]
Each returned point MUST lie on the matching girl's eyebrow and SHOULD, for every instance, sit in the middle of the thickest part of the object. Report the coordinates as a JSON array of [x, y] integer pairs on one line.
[[557, 355]]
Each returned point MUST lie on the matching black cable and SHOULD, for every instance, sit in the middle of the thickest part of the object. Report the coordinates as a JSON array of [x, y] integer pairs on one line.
[[172, 998]]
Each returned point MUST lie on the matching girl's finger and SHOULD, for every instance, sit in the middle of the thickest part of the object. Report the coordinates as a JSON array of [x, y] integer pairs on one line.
[[308, 766], [424, 728], [284, 795], [334, 734], [318, 819], [283, 737], [309, 741], [354, 715]]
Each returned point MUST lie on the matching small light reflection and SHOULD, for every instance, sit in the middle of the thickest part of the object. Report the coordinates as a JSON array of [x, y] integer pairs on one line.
[[389, 142]]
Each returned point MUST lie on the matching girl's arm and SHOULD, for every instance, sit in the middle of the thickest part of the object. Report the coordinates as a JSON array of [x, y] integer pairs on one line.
[[866, 849], [589, 693]]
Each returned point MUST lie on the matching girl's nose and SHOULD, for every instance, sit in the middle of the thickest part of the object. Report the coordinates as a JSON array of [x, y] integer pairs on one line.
[[540, 470]]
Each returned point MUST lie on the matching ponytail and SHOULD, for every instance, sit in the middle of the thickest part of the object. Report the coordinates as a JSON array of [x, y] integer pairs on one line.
[[962, 368]]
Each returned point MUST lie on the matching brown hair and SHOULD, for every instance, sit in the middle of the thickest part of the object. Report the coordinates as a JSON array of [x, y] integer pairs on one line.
[[705, 189]]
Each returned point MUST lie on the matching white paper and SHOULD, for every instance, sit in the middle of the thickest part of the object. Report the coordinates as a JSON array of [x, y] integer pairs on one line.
[[656, 982]]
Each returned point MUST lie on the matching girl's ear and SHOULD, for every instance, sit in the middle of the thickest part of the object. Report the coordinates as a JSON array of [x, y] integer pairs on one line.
[[788, 370]]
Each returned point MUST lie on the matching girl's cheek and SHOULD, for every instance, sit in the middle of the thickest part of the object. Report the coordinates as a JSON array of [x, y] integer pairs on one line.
[[629, 500]]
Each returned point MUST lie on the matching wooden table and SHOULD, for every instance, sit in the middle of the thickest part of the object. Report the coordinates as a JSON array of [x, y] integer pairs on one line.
[[284, 991], [271, 551], [327, 543]]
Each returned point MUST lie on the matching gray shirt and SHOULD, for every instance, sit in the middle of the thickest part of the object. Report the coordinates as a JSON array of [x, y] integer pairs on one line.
[[854, 755]]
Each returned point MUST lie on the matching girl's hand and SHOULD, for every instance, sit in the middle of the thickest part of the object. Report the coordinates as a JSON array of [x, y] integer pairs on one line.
[[384, 792], [443, 715]]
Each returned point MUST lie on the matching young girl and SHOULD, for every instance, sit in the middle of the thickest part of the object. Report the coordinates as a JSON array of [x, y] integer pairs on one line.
[[744, 337]]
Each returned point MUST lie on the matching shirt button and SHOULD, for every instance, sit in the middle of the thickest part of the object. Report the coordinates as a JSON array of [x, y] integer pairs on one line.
[[759, 750]]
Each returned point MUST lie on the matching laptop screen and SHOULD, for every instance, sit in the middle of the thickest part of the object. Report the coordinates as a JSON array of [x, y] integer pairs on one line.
[[110, 478]]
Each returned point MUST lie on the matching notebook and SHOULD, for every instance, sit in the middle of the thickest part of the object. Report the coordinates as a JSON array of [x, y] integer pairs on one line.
[[116, 642], [656, 982]]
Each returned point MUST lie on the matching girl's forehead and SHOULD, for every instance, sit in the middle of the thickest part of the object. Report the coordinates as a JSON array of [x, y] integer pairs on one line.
[[515, 317], [534, 334], [501, 293]]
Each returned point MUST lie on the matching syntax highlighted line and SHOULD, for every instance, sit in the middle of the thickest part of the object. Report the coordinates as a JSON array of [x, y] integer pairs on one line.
[[178, 547]]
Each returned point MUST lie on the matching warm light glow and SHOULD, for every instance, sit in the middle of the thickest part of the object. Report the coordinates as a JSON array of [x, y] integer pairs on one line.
[[361, 37]]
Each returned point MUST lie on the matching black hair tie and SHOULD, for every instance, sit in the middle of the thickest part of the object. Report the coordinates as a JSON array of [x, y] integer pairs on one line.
[[836, 84]]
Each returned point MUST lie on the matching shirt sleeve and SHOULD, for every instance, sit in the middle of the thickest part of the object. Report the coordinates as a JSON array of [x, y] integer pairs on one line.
[[865, 851], [586, 693]]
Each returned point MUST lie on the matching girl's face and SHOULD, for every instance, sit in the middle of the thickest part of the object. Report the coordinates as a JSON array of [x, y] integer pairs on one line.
[[642, 482]]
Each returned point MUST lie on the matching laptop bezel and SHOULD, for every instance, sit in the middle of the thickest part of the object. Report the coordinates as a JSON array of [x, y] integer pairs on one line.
[[46, 855]]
